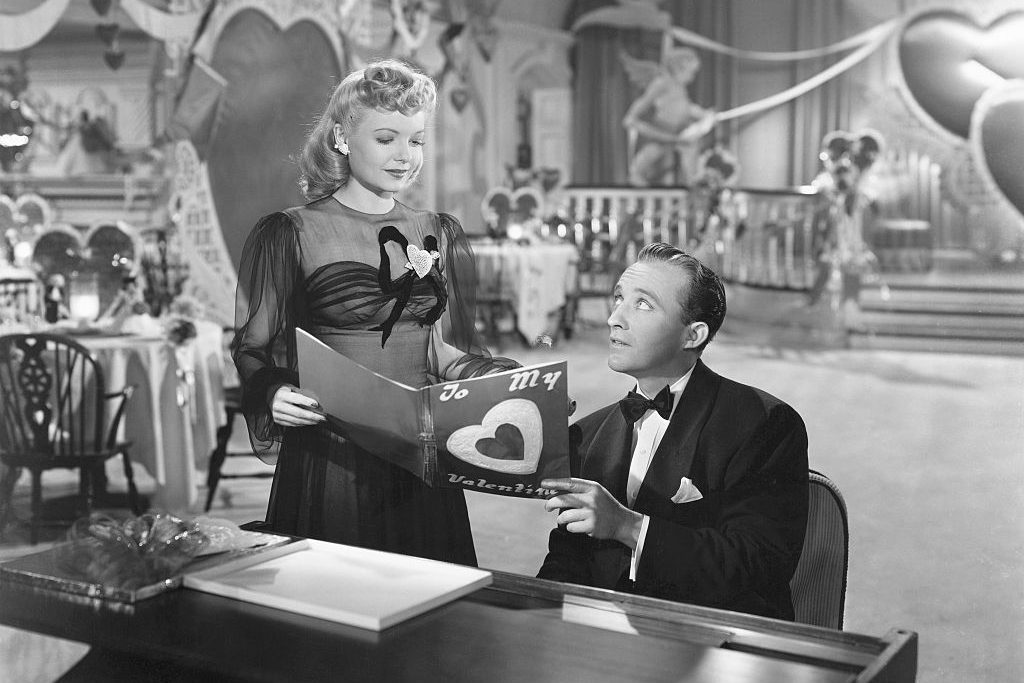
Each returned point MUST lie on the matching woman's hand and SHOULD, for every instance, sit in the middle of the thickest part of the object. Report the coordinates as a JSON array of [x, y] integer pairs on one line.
[[293, 408]]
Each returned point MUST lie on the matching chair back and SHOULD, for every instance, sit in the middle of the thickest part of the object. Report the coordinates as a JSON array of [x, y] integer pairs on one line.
[[819, 583], [52, 401]]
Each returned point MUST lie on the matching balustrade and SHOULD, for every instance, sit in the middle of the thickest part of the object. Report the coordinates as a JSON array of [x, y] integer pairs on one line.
[[755, 237]]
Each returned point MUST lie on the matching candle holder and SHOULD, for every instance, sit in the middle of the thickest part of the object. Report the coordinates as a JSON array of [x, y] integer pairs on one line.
[[84, 296]]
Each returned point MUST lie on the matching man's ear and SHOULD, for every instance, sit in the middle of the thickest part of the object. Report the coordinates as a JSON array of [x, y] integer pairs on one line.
[[694, 335]]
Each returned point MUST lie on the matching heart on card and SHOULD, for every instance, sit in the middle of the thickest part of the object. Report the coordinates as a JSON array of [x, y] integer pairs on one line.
[[948, 61], [509, 439], [997, 142], [506, 444], [420, 260]]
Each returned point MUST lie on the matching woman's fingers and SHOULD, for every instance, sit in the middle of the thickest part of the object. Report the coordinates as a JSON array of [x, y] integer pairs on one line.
[[291, 408]]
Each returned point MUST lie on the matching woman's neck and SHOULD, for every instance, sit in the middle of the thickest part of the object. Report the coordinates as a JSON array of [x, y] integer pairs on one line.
[[355, 196]]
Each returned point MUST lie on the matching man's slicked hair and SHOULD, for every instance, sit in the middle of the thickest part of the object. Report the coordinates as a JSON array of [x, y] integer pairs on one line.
[[703, 300]]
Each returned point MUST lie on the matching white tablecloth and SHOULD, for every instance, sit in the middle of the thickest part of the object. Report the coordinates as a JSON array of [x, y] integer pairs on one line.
[[173, 416], [534, 278]]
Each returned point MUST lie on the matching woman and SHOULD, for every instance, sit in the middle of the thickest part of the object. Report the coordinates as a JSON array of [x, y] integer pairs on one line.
[[376, 281]]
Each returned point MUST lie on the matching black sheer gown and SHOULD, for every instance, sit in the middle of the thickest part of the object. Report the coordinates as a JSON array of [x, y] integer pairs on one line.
[[346, 277]]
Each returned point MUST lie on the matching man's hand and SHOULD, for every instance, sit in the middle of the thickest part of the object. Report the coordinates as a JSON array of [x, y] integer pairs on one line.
[[292, 408], [586, 507]]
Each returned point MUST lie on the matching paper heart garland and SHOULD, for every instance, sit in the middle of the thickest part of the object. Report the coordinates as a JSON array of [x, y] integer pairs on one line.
[[499, 433], [108, 33], [948, 62], [460, 98], [996, 140], [114, 58], [420, 260], [101, 6]]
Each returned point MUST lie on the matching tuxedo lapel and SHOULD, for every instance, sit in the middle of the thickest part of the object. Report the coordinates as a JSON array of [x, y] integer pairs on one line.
[[674, 458], [607, 460]]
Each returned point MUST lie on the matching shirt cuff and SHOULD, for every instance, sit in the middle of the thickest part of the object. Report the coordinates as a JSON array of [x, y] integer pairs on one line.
[[635, 560]]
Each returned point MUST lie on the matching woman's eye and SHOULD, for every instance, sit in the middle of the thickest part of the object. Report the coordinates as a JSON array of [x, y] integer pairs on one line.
[[418, 143], [384, 141]]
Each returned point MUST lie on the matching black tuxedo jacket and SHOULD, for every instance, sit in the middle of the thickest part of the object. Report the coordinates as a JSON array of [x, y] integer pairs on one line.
[[737, 548]]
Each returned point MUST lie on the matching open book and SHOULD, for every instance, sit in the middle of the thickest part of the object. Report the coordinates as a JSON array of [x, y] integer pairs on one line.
[[500, 433]]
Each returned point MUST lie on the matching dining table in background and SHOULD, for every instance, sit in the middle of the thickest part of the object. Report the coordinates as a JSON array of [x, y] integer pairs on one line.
[[178, 404], [533, 280]]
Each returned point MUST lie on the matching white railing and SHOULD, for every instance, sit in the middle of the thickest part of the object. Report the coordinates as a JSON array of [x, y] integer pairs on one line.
[[756, 237]]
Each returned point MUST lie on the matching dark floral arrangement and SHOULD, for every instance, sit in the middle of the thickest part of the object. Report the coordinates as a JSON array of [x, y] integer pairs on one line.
[[178, 325]]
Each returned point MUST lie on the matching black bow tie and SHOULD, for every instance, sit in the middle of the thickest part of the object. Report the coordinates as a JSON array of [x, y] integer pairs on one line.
[[635, 405]]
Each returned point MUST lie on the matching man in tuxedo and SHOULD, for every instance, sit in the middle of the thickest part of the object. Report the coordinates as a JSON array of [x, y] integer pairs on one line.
[[698, 494]]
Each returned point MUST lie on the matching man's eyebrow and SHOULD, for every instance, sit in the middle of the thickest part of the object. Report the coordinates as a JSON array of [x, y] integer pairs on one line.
[[649, 294]]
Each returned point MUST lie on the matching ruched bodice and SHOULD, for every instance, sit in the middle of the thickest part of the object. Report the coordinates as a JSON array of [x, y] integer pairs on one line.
[[378, 289]]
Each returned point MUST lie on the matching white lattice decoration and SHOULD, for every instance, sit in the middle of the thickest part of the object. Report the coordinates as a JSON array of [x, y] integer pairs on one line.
[[212, 276]]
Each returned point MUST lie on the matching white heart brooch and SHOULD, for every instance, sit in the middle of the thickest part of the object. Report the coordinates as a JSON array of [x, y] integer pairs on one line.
[[420, 260]]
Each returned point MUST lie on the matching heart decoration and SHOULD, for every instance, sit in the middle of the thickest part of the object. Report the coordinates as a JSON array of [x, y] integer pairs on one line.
[[549, 178], [996, 140], [108, 33], [501, 206], [63, 250], [509, 439], [240, 153], [101, 6], [948, 62], [420, 260], [114, 58], [459, 98], [506, 444]]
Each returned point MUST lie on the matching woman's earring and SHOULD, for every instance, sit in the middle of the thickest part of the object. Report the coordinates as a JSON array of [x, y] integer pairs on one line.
[[341, 147]]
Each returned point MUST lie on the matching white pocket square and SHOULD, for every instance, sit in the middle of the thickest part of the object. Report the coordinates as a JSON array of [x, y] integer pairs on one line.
[[687, 492]]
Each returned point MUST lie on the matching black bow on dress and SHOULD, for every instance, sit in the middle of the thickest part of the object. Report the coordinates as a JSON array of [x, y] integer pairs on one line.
[[400, 289]]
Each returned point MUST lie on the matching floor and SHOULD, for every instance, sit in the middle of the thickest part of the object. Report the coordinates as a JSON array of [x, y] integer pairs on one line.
[[927, 448]]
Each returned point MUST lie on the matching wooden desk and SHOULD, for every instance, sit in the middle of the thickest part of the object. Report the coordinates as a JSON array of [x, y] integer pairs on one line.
[[518, 629]]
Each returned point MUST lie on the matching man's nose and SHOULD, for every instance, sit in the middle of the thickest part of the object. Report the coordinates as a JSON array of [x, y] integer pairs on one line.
[[615, 318]]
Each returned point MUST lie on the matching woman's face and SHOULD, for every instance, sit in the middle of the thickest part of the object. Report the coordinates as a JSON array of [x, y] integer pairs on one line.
[[386, 150]]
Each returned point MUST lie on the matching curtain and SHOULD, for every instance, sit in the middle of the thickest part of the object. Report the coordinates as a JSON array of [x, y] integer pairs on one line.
[[602, 91], [826, 108]]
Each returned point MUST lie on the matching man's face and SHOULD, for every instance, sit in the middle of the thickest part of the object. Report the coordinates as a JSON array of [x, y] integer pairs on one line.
[[647, 334]]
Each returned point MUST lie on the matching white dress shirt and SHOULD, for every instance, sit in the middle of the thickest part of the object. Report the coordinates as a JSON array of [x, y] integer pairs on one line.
[[647, 434]]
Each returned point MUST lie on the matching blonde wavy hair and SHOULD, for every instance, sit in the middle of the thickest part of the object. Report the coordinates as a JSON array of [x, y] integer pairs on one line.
[[387, 85]]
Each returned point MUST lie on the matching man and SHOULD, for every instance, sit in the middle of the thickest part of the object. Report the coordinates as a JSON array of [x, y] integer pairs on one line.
[[704, 498]]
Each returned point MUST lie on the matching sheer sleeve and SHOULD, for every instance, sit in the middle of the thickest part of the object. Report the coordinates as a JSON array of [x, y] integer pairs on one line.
[[268, 307], [455, 349]]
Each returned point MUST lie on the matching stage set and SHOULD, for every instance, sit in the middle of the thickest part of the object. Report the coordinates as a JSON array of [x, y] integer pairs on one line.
[[854, 171]]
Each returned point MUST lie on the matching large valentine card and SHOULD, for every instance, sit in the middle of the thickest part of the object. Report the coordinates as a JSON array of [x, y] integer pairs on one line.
[[501, 433]]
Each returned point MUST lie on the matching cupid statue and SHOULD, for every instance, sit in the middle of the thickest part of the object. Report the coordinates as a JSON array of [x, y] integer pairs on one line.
[[664, 126]]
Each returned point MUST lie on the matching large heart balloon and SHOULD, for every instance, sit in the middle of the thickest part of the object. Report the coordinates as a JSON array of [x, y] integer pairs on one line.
[[948, 61], [278, 83], [997, 137]]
